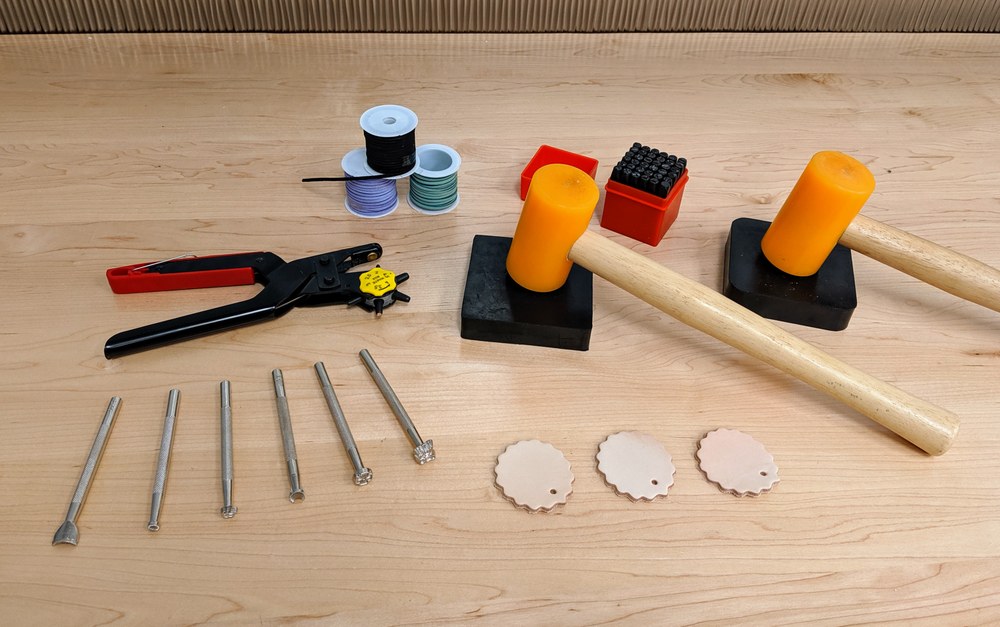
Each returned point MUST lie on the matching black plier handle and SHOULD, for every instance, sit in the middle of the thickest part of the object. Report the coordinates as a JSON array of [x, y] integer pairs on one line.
[[312, 281]]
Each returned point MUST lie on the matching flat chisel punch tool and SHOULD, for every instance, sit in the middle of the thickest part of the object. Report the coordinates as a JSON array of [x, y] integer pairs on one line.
[[309, 282]]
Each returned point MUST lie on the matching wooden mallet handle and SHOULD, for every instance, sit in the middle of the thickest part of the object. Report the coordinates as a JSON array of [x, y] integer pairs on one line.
[[932, 263], [927, 426]]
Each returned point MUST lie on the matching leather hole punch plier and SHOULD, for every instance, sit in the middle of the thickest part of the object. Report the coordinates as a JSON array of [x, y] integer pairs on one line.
[[308, 282]]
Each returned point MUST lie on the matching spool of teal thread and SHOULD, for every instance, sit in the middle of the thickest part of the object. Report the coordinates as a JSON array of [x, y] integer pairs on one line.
[[434, 182]]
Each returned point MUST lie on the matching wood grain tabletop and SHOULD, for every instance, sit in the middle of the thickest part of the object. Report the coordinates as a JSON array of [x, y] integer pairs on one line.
[[124, 149]]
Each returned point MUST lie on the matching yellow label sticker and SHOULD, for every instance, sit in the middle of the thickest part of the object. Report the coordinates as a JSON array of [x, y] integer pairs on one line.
[[377, 281]]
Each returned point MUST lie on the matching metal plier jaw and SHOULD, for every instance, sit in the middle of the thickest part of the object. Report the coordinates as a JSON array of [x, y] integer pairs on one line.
[[314, 281]]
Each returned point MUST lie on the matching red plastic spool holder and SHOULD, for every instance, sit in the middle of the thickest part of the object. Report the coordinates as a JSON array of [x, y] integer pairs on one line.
[[640, 215], [549, 154]]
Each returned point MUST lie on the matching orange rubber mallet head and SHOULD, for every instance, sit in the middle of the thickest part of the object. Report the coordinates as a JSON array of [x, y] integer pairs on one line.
[[557, 210], [831, 191]]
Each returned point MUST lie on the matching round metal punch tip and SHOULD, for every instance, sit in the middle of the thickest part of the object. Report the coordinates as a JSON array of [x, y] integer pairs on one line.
[[296, 495], [228, 512], [363, 476], [425, 452], [153, 527]]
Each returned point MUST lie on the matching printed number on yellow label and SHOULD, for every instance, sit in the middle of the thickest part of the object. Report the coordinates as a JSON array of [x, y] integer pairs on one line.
[[377, 281]]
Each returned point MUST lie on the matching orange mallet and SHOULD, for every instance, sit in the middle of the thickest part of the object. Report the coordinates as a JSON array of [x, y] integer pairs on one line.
[[552, 234], [823, 208]]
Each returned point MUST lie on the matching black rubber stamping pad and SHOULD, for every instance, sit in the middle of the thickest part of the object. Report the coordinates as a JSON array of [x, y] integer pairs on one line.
[[825, 300], [496, 309]]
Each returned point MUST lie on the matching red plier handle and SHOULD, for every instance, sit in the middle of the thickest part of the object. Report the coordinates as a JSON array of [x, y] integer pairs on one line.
[[181, 273]]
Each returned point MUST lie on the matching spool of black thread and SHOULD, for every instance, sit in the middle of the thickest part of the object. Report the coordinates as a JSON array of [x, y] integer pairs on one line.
[[390, 139]]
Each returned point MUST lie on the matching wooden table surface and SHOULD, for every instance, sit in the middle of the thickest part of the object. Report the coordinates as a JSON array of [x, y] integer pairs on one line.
[[124, 149]]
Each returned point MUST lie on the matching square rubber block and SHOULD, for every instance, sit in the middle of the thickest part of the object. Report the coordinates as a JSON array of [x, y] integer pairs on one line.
[[825, 300], [496, 309]]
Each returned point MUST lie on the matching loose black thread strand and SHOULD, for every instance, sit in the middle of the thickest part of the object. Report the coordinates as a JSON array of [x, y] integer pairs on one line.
[[370, 177]]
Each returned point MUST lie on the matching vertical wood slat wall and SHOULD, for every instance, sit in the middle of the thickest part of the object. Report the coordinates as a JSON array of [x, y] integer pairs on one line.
[[503, 16]]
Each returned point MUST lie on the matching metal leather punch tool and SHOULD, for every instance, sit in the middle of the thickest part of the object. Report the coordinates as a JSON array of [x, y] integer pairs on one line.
[[308, 282]]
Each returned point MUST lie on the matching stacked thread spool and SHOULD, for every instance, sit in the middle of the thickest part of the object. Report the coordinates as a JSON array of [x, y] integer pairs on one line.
[[391, 153]]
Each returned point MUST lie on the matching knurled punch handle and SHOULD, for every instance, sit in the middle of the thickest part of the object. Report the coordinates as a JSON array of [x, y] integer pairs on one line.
[[932, 263], [93, 458], [287, 438], [163, 459], [166, 440], [339, 419], [927, 426], [226, 423], [284, 415], [391, 398]]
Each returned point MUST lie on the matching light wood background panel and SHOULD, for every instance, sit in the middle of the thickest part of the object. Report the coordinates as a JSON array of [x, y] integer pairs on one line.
[[124, 149], [497, 16]]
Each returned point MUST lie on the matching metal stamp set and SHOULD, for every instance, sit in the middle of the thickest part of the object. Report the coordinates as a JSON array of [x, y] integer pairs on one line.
[[423, 450]]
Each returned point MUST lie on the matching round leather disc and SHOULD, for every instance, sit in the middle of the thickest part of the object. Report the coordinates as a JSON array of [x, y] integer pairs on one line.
[[737, 463], [635, 465], [534, 475]]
